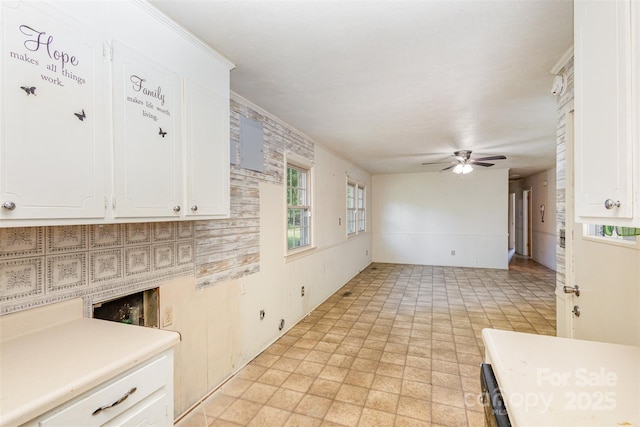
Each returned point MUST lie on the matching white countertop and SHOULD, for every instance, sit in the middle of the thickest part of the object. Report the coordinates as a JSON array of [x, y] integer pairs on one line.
[[551, 381], [46, 361]]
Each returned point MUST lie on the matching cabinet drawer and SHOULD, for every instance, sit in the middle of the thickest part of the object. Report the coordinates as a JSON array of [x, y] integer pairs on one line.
[[114, 398], [152, 411]]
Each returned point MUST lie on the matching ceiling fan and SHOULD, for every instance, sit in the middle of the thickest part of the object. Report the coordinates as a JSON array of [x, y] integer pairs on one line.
[[463, 162]]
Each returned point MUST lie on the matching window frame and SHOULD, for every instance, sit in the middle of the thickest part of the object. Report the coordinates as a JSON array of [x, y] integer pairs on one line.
[[356, 219], [306, 208], [352, 211]]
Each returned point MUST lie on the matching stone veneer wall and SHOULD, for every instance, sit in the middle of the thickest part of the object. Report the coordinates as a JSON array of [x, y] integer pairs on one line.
[[565, 105], [44, 265]]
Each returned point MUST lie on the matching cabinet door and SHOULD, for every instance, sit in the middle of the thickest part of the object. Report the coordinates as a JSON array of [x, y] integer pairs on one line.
[[603, 163], [147, 137], [207, 150], [52, 143]]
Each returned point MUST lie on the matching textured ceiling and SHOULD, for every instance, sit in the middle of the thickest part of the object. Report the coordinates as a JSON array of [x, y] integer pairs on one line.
[[393, 84]]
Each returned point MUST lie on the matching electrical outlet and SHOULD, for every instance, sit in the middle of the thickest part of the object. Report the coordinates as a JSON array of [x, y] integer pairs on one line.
[[366, 252], [167, 317], [302, 291], [261, 314], [453, 252]]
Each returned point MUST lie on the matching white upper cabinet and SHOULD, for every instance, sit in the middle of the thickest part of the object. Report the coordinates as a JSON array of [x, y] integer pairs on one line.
[[53, 140], [147, 137], [110, 112], [207, 149], [605, 140]]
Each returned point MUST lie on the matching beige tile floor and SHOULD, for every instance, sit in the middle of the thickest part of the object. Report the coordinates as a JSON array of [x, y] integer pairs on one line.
[[399, 345]]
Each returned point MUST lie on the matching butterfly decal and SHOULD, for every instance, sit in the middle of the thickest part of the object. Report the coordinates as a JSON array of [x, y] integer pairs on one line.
[[161, 133], [30, 90], [80, 116]]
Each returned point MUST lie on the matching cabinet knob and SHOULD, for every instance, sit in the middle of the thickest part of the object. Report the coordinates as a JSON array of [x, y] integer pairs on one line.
[[610, 204], [176, 209], [576, 311], [9, 206], [194, 208], [572, 290]]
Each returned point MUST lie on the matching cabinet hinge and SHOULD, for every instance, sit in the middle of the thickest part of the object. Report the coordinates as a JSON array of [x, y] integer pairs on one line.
[[113, 202], [105, 203]]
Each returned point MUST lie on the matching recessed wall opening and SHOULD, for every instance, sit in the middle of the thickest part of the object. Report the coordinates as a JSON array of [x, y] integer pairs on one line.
[[140, 308]]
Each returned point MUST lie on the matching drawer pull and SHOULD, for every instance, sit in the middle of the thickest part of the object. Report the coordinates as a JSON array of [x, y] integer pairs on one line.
[[116, 403]]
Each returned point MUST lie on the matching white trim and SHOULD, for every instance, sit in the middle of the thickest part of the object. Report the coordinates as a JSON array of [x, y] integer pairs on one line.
[[180, 30]]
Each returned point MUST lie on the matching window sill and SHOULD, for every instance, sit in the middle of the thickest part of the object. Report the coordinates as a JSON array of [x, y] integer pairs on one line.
[[612, 241], [294, 254], [356, 235]]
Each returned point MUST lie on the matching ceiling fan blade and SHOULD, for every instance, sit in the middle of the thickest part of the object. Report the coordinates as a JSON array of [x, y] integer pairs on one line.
[[449, 167], [486, 165], [437, 163], [491, 158]]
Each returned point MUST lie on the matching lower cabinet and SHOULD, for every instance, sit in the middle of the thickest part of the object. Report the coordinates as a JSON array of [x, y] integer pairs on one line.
[[141, 396]]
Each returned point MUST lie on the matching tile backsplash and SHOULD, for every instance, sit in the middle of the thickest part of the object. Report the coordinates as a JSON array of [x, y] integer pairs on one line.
[[40, 265]]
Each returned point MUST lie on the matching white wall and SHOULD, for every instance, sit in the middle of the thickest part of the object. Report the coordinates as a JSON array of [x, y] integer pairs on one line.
[[543, 235], [220, 325], [420, 218]]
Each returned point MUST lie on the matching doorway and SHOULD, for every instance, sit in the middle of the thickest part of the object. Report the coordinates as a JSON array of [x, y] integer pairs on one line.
[[526, 223], [512, 225]]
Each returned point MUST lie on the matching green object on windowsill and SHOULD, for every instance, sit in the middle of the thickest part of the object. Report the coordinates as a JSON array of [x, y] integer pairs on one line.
[[620, 231]]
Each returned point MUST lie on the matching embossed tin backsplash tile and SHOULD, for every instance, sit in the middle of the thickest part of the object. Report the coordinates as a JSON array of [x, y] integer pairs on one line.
[[164, 256], [185, 230], [68, 238], [137, 260], [66, 271], [21, 242], [164, 232], [21, 278], [39, 265], [185, 252], [136, 234], [105, 236], [105, 265]]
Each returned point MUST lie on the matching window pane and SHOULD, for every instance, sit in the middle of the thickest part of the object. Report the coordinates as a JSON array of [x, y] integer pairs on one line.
[[302, 197], [351, 221], [351, 196]]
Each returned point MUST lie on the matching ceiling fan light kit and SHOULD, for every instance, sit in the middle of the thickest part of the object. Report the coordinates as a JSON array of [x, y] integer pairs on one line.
[[461, 168]]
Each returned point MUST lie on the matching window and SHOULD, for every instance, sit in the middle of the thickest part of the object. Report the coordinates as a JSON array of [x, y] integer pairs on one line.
[[612, 232], [361, 210], [355, 209], [298, 207]]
